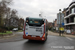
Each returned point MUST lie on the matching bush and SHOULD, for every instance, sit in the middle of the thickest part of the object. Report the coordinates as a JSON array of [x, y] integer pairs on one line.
[[3, 30], [50, 28], [19, 28], [7, 28]]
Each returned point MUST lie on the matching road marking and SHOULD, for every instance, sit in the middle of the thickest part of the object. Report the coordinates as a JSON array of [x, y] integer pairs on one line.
[[69, 38]]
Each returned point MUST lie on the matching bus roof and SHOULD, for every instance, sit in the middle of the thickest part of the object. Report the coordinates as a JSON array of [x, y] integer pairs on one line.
[[35, 18]]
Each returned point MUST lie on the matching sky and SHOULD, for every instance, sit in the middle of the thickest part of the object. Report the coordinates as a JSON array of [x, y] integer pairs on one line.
[[32, 8]]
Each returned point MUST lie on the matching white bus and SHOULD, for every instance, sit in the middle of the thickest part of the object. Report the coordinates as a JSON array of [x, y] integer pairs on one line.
[[35, 29]]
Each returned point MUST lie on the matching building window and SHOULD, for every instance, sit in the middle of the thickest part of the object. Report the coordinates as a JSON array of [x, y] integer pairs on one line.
[[67, 20], [73, 10], [71, 19], [74, 19], [67, 13]]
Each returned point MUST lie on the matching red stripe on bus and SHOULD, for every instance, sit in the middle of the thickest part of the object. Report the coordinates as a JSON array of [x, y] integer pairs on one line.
[[44, 30]]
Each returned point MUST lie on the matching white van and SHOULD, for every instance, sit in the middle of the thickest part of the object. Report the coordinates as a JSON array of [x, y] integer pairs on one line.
[[35, 29]]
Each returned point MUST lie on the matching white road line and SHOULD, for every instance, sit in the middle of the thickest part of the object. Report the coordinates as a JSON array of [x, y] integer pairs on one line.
[[69, 38]]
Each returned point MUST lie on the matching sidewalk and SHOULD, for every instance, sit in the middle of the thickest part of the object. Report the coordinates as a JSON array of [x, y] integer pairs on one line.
[[12, 38], [8, 36], [57, 34]]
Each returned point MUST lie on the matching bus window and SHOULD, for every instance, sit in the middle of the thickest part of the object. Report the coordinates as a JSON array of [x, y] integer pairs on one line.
[[36, 22]]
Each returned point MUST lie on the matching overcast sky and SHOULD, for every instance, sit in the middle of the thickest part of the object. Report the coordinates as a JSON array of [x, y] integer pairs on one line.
[[32, 8]]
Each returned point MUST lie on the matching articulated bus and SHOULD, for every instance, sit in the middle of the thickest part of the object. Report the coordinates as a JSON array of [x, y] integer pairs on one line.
[[35, 29]]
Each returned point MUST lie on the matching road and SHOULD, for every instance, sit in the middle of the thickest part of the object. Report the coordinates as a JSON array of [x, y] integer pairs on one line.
[[52, 43]]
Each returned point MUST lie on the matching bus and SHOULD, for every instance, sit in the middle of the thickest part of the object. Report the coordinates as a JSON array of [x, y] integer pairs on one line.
[[35, 29]]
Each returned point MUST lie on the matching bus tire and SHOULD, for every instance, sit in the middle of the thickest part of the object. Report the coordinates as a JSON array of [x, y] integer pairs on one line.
[[29, 40], [45, 38]]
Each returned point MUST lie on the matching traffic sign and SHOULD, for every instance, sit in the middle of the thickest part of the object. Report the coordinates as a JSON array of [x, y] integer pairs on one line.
[[62, 24]]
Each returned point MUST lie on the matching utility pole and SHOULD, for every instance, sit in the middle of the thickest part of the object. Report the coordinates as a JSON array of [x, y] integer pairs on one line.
[[0, 20]]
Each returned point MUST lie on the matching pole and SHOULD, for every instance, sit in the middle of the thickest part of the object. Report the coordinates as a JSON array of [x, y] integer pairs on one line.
[[60, 16], [60, 21], [0, 20]]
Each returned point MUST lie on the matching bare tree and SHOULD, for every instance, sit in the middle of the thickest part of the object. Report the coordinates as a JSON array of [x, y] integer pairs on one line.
[[13, 13], [4, 6], [21, 23], [3, 9]]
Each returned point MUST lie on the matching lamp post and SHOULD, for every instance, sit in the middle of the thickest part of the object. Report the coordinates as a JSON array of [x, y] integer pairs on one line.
[[60, 22], [60, 16], [40, 15]]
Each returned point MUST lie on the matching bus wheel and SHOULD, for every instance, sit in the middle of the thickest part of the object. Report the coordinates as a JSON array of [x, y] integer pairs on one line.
[[45, 38]]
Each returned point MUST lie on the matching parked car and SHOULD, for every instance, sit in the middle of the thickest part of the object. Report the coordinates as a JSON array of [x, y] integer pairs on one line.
[[15, 29]]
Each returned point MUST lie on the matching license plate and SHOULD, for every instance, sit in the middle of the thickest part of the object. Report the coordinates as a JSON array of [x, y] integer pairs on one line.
[[33, 36]]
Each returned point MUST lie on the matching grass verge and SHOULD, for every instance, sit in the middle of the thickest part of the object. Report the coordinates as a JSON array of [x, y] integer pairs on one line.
[[7, 32], [20, 31]]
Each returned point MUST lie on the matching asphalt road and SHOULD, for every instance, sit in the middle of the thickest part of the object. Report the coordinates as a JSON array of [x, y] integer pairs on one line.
[[52, 43]]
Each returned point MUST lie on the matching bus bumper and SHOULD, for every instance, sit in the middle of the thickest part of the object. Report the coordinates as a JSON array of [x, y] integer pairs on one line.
[[34, 38]]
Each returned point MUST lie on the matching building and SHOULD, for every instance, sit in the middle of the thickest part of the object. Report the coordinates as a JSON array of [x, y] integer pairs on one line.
[[50, 24], [69, 18], [60, 19], [55, 23]]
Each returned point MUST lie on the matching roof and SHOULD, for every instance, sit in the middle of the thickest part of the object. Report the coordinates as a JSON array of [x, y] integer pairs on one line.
[[36, 18]]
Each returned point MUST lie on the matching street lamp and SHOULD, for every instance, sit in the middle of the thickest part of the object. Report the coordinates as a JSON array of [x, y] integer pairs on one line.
[[60, 16], [40, 15], [60, 22]]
